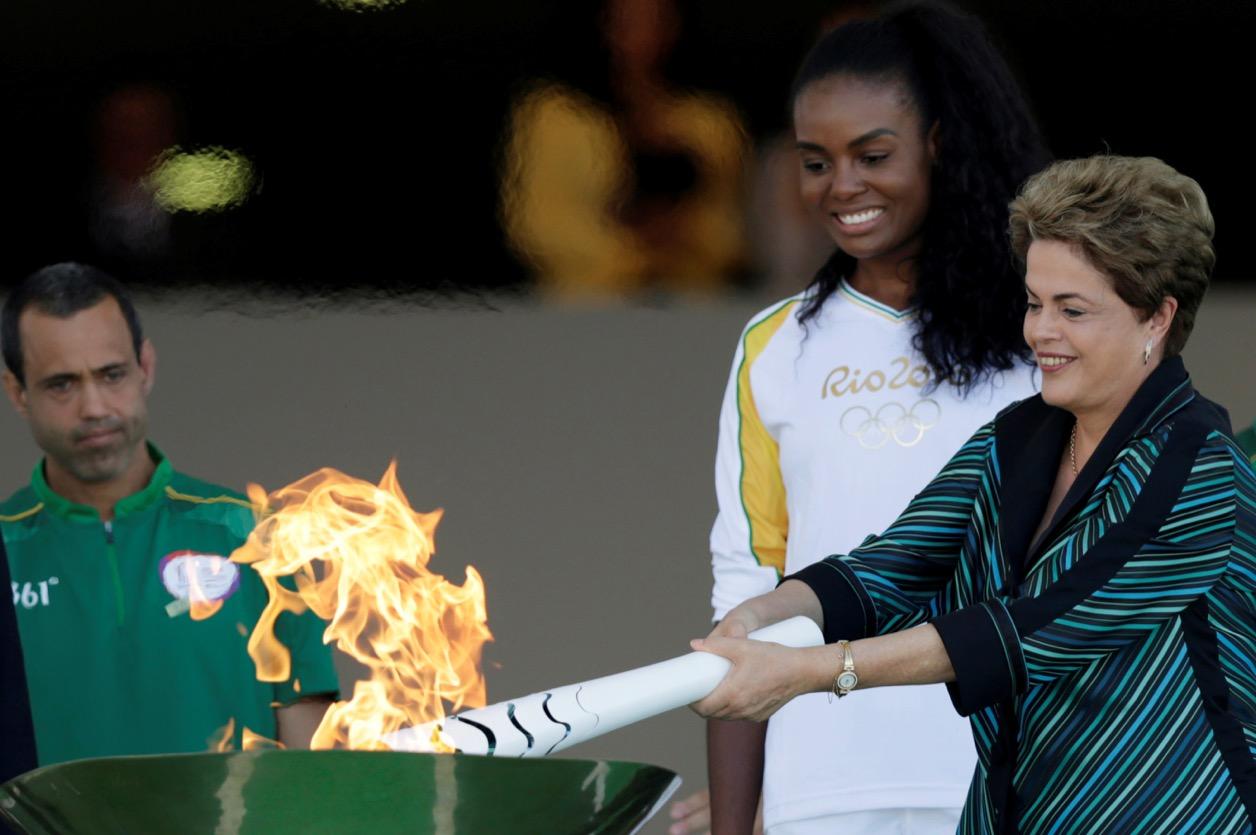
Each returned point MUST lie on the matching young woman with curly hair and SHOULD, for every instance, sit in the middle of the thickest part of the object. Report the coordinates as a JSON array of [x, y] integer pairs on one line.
[[846, 398]]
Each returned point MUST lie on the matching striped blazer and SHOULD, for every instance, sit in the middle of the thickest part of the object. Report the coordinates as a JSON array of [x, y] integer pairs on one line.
[[1108, 669]]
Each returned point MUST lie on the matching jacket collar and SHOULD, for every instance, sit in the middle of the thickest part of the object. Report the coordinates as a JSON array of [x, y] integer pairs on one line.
[[61, 506], [1036, 437]]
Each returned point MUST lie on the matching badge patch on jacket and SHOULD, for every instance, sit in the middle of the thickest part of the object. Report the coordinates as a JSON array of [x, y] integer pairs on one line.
[[192, 575]]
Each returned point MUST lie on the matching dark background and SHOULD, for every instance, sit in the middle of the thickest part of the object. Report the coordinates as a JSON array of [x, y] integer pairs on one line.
[[377, 134]]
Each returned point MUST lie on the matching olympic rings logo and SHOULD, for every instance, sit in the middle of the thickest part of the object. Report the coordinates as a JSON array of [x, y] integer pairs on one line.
[[893, 421]]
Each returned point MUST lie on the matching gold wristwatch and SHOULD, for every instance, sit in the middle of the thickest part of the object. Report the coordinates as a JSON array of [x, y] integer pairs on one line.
[[845, 680]]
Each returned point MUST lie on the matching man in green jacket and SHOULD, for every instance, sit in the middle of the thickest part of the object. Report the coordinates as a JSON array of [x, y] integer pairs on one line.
[[115, 558]]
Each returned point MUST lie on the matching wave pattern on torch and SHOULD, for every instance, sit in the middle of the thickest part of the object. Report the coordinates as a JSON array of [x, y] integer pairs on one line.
[[551, 721]]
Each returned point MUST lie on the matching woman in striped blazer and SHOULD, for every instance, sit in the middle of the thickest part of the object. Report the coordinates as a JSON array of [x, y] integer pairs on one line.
[[1082, 574]]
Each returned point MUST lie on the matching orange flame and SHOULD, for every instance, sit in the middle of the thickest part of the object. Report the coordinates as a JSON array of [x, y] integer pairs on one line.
[[221, 740], [201, 606], [250, 741], [358, 554]]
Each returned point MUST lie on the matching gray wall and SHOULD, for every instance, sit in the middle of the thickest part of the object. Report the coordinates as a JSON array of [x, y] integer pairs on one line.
[[571, 449]]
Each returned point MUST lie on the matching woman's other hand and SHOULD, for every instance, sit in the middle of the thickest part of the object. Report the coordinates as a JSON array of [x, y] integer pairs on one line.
[[738, 623], [789, 599]]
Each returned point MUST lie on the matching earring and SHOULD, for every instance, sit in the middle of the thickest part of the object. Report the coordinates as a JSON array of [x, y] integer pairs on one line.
[[1147, 352]]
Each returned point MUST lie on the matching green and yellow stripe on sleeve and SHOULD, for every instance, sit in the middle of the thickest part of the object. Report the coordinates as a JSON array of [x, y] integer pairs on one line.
[[762, 490]]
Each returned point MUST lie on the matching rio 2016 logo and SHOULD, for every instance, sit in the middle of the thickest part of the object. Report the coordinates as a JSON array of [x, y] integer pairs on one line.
[[892, 422], [842, 380]]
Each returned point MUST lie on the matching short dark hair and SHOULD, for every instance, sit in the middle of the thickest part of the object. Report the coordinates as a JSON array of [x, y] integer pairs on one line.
[[61, 290]]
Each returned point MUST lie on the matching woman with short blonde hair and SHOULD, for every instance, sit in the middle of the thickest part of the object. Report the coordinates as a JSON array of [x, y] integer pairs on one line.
[[1138, 221], [1082, 574]]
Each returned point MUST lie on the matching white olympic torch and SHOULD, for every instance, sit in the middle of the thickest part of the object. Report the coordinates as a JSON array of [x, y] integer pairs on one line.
[[554, 720]]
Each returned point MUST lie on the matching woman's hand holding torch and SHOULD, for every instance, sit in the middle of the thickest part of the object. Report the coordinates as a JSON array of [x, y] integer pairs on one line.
[[764, 676]]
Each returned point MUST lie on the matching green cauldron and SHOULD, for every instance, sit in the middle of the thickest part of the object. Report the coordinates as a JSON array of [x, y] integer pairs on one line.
[[276, 792]]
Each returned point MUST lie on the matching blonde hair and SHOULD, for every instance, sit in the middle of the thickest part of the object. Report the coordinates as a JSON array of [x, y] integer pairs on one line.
[[1136, 220]]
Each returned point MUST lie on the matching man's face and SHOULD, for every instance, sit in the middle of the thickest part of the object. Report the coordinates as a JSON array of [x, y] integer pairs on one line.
[[85, 393]]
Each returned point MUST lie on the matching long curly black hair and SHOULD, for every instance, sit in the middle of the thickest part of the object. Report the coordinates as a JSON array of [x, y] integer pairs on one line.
[[969, 292]]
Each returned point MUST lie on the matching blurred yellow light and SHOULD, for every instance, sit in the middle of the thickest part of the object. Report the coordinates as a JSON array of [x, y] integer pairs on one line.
[[207, 180], [363, 5]]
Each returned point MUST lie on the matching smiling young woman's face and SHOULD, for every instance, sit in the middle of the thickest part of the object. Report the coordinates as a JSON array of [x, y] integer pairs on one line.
[[1088, 342], [865, 164]]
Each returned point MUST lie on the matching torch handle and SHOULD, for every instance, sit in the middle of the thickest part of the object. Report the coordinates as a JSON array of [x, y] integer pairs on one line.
[[628, 697], [544, 723]]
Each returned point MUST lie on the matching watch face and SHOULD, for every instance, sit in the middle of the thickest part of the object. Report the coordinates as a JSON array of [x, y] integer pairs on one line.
[[847, 681]]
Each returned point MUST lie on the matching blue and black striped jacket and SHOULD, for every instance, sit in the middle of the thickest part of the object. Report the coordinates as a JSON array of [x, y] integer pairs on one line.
[[1109, 669]]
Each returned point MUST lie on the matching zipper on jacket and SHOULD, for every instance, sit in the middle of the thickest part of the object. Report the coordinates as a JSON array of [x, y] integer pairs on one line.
[[111, 552]]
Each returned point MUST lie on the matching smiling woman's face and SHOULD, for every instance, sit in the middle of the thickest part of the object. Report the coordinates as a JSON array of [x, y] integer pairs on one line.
[[865, 164], [1088, 342]]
